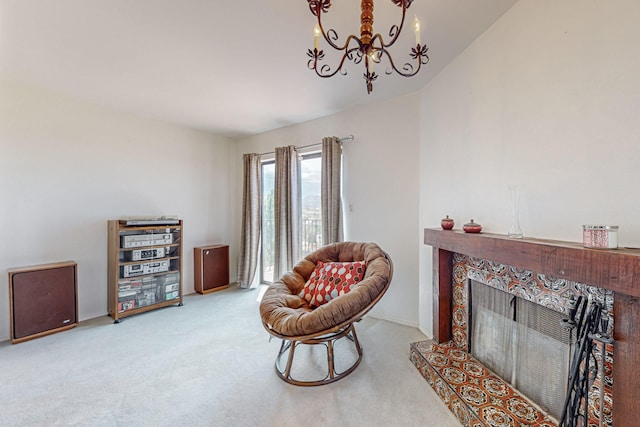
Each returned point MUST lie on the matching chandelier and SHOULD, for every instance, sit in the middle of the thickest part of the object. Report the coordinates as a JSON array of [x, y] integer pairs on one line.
[[367, 48]]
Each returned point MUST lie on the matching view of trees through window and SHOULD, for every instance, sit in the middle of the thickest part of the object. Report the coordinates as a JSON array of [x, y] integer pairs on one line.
[[268, 230], [310, 221]]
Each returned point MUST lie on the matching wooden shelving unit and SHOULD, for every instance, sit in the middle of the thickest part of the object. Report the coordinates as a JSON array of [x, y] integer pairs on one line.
[[144, 267]]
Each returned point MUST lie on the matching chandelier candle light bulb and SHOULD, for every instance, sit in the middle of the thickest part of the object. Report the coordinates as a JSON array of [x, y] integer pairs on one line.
[[416, 25], [316, 36]]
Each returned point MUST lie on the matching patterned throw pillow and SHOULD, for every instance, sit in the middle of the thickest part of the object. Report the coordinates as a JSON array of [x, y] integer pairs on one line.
[[309, 289], [335, 279]]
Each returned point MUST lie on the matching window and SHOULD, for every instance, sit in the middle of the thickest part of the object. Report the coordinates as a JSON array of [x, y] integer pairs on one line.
[[267, 260], [310, 221]]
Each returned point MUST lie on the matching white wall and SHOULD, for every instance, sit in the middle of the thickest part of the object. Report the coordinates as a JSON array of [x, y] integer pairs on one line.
[[544, 100], [548, 100], [380, 182], [67, 167]]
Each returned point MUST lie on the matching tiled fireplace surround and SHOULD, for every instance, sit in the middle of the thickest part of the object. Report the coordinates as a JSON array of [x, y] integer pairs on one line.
[[542, 271]]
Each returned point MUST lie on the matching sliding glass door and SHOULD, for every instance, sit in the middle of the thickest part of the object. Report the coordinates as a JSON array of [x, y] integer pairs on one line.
[[267, 260], [311, 222]]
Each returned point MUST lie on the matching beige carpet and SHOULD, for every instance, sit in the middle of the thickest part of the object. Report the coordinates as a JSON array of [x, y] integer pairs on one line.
[[208, 363]]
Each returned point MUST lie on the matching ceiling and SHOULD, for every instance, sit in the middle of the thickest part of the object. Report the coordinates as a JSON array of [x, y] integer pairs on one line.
[[230, 67]]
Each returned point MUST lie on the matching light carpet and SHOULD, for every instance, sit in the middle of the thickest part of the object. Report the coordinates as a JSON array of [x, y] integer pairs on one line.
[[207, 363]]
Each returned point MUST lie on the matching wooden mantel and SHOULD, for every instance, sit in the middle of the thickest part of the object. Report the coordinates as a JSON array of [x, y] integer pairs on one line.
[[617, 270]]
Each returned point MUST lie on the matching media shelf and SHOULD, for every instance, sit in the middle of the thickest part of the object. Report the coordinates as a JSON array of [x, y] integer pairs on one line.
[[144, 267]]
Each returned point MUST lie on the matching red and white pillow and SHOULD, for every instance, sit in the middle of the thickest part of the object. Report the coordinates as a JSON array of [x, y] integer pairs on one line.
[[330, 280], [309, 290]]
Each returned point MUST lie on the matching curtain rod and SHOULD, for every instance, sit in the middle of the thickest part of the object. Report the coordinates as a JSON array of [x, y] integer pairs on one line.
[[346, 138]]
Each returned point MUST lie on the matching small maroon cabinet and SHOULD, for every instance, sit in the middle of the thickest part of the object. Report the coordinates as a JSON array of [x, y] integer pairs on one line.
[[211, 268]]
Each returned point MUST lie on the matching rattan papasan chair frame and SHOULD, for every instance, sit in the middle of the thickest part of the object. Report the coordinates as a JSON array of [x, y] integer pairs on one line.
[[286, 315]]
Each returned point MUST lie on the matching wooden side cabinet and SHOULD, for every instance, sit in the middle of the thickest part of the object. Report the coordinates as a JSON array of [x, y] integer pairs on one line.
[[211, 268]]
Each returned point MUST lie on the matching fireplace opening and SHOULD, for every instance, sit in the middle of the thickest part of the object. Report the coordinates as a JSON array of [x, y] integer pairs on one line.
[[522, 342]]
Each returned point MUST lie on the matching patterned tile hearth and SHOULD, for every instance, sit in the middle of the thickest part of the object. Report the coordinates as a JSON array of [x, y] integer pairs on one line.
[[476, 396], [542, 289]]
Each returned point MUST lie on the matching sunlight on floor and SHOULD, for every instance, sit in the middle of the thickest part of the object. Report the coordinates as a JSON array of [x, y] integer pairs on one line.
[[261, 290]]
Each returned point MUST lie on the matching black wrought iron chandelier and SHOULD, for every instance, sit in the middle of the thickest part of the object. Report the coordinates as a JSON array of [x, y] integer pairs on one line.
[[368, 47]]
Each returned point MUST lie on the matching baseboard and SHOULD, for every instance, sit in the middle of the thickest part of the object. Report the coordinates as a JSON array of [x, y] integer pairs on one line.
[[92, 316], [394, 320], [426, 334]]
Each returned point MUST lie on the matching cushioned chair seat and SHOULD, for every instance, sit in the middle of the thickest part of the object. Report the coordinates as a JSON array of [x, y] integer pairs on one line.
[[287, 315]]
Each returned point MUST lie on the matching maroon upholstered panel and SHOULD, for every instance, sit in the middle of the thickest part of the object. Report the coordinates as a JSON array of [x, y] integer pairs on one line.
[[43, 299]]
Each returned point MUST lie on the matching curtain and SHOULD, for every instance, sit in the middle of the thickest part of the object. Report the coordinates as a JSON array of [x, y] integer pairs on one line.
[[286, 210], [331, 203], [251, 218]]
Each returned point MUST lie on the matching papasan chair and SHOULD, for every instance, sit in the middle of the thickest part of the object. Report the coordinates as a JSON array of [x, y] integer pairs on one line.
[[318, 302]]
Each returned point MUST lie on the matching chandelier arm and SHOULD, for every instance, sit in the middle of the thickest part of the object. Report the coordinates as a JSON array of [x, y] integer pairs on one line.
[[382, 45], [358, 58], [318, 7], [325, 68], [410, 70], [398, 29], [331, 35]]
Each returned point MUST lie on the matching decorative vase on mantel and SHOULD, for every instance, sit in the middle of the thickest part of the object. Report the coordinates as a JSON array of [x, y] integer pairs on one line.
[[447, 223], [472, 227], [515, 232]]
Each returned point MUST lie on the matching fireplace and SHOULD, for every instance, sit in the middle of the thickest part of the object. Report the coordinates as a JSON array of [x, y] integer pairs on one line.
[[547, 273], [524, 343]]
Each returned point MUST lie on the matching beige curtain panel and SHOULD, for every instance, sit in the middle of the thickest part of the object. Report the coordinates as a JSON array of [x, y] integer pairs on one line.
[[286, 210], [331, 203], [251, 218]]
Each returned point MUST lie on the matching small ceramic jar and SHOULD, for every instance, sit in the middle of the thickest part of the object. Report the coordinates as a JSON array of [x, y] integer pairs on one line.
[[446, 223], [472, 227]]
